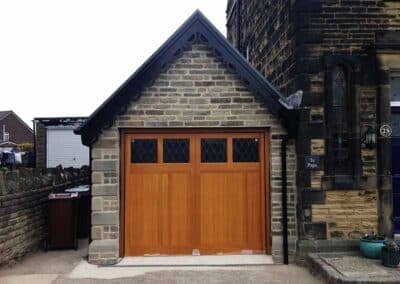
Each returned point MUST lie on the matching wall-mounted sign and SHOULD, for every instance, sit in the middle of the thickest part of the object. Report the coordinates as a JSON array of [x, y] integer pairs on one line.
[[385, 130], [312, 162]]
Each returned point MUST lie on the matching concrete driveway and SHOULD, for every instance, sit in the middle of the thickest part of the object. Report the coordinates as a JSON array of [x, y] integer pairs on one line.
[[43, 267], [266, 274], [60, 266]]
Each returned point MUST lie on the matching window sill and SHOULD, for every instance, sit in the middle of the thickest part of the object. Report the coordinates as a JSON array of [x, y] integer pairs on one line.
[[348, 182]]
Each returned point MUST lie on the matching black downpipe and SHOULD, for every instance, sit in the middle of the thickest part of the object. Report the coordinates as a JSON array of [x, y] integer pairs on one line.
[[91, 187], [284, 201], [34, 143]]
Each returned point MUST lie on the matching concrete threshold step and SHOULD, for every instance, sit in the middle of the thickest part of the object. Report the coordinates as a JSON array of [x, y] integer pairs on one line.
[[201, 260]]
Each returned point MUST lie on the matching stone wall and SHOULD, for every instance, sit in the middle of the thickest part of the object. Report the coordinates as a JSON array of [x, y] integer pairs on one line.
[[40, 144], [196, 91], [266, 38], [291, 43], [348, 213], [23, 207]]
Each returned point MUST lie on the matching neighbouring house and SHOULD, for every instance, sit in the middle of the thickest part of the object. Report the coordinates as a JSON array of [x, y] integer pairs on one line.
[[187, 153], [56, 144], [13, 131], [345, 57]]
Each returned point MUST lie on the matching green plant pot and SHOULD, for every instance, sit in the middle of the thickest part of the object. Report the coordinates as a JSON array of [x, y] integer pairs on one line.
[[371, 248], [390, 258]]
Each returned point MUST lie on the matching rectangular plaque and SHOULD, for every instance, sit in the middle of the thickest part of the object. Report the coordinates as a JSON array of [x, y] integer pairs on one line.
[[312, 162]]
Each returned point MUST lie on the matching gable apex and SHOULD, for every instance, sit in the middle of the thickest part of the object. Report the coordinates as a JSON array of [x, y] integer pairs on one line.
[[197, 28]]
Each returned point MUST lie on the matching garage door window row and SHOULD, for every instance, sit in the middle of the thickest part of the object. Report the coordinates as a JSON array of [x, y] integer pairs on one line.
[[213, 150]]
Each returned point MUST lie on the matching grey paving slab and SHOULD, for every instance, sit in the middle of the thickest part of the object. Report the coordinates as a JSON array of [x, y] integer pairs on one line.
[[350, 267], [357, 267]]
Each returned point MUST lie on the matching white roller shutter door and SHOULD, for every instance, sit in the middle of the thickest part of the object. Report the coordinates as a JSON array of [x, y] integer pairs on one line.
[[65, 148]]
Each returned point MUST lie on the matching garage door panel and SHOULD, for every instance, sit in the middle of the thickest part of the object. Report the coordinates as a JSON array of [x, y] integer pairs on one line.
[[210, 229], [234, 211], [223, 210], [256, 201], [143, 210], [180, 210]]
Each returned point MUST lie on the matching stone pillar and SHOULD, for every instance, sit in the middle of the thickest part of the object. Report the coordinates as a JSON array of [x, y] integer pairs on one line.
[[384, 147], [104, 249]]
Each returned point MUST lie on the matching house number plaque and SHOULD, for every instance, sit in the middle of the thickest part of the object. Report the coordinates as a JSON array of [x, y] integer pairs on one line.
[[385, 130]]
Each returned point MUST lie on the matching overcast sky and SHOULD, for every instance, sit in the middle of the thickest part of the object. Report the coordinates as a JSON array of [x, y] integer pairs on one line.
[[64, 58]]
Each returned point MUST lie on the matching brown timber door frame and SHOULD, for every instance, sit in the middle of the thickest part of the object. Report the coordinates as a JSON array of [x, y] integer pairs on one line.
[[265, 174]]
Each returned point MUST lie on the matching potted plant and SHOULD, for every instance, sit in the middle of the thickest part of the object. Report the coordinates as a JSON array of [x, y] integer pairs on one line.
[[391, 254], [371, 245]]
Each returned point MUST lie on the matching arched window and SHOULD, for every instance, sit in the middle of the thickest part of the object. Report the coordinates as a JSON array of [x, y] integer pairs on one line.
[[339, 116], [339, 86]]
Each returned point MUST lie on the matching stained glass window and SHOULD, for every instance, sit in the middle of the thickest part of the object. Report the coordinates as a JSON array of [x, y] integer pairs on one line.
[[338, 86], [340, 138]]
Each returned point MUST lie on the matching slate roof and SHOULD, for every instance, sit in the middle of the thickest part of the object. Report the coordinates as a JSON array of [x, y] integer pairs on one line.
[[196, 26], [4, 113]]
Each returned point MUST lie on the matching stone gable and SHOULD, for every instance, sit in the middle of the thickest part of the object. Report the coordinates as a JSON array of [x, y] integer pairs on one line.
[[196, 91]]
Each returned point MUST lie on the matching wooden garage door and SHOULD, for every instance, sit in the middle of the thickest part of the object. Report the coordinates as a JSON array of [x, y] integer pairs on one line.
[[195, 191]]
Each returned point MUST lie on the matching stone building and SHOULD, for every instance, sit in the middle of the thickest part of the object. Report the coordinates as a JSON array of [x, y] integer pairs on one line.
[[186, 156], [198, 152], [13, 130], [345, 57]]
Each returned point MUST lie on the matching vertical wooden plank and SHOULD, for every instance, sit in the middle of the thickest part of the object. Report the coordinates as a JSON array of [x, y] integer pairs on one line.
[[266, 190], [196, 154]]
